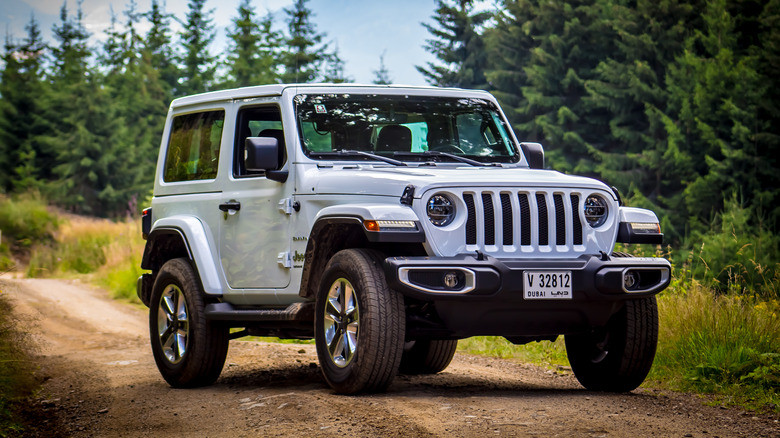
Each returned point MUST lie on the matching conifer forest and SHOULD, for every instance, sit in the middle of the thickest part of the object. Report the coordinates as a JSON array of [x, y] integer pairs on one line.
[[674, 102]]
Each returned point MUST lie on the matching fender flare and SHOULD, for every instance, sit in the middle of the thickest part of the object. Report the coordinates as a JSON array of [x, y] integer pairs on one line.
[[198, 243]]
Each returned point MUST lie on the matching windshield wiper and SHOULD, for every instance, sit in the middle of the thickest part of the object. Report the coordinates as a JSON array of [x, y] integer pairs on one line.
[[445, 154], [352, 153]]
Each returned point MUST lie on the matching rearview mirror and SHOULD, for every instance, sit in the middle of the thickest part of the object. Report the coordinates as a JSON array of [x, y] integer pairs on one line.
[[534, 153], [261, 154]]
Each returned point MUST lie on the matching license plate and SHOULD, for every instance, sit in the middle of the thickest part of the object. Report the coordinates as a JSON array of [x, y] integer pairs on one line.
[[547, 285]]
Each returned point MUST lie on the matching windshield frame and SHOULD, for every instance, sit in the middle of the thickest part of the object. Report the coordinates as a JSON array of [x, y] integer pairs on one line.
[[504, 150]]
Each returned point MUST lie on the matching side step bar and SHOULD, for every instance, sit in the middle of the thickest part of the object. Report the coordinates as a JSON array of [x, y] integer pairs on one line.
[[228, 312]]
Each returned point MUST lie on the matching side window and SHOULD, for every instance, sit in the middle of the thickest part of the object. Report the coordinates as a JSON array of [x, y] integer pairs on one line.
[[193, 147], [264, 121]]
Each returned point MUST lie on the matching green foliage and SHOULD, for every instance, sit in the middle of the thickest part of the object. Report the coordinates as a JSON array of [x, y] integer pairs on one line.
[[199, 65], [25, 220], [726, 345], [458, 46], [17, 381], [253, 50], [737, 256], [542, 353], [305, 52]]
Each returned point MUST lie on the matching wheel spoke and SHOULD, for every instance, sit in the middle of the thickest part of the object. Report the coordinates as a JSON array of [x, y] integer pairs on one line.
[[181, 344], [333, 309], [350, 338], [350, 304], [336, 347], [173, 323], [340, 322], [168, 307]]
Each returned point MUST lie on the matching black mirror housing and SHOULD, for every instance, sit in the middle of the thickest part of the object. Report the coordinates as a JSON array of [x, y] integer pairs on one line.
[[534, 153], [261, 154]]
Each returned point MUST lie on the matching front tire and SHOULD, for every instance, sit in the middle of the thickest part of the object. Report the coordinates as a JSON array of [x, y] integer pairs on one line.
[[359, 324], [428, 356], [189, 350], [617, 357]]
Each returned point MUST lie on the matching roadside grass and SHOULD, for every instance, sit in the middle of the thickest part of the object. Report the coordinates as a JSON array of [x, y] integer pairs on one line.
[[544, 353], [108, 252], [727, 346], [17, 381]]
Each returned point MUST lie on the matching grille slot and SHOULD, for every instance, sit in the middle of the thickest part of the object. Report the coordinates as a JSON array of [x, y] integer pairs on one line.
[[530, 224], [577, 225], [490, 219], [525, 219], [471, 220], [560, 221], [541, 204], [506, 218]]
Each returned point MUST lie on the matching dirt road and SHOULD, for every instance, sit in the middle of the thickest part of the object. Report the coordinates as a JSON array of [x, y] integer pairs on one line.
[[101, 381]]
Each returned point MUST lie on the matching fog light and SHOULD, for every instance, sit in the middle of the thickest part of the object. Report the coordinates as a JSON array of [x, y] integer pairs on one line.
[[451, 280], [631, 280]]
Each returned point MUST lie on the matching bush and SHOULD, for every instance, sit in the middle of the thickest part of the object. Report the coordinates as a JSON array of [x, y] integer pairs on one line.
[[738, 255], [715, 343], [26, 220]]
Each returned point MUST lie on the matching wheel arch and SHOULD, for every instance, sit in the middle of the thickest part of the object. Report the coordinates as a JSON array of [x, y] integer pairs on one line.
[[332, 234], [176, 237]]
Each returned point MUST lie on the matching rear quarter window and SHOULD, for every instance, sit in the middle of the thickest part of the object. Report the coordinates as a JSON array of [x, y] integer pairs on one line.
[[193, 146]]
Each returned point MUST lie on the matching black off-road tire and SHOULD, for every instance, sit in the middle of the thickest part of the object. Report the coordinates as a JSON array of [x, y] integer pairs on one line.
[[177, 313], [428, 356], [376, 327], [617, 357]]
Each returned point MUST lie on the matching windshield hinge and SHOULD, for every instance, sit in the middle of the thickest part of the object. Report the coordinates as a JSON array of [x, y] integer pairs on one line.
[[288, 205], [285, 259]]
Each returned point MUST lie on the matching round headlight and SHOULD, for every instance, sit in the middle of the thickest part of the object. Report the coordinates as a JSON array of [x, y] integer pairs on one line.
[[440, 209], [596, 210]]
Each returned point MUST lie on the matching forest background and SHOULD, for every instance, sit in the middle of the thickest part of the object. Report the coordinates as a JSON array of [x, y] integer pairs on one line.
[[676, 103]]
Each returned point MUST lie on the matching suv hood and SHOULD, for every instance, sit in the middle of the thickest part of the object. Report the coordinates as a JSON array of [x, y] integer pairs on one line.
[[370, 180]]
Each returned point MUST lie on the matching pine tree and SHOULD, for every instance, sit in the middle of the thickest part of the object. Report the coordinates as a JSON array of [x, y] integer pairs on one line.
[[631, 86], [140, 100], [715, 91], [334, 69], [569, 42], [91, 142], [157, 47], [253, 49], [199, 66], [458, 46], [509, 45], [305, 51], [22, 92], [382, 74]]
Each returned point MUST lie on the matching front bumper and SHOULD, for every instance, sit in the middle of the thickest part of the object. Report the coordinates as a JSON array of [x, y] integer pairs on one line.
[[485, 295]]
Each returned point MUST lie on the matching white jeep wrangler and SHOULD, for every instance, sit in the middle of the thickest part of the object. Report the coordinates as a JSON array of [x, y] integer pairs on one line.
[[386, 223]]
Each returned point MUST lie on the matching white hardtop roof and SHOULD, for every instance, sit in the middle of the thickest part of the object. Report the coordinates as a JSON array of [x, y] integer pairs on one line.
[[278, 89]]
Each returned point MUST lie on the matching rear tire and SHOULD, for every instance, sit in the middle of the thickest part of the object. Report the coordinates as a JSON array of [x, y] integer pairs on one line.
[[428, 356], [189, 350], [359, 324], [617, 357]]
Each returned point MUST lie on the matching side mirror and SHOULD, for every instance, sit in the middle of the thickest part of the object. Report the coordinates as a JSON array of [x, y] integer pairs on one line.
[[261, 154], [534, 153]]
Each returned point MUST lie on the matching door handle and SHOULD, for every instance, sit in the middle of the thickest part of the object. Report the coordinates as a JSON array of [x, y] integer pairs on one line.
[[229, 206]]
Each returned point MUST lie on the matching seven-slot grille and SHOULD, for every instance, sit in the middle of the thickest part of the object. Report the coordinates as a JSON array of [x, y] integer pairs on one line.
[[523, 218]]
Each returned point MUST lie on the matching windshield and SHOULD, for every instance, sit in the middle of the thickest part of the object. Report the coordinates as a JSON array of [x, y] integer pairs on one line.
[[409, 128]]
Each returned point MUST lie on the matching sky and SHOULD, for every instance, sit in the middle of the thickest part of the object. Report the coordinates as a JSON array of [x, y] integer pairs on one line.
[[361, 29]]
